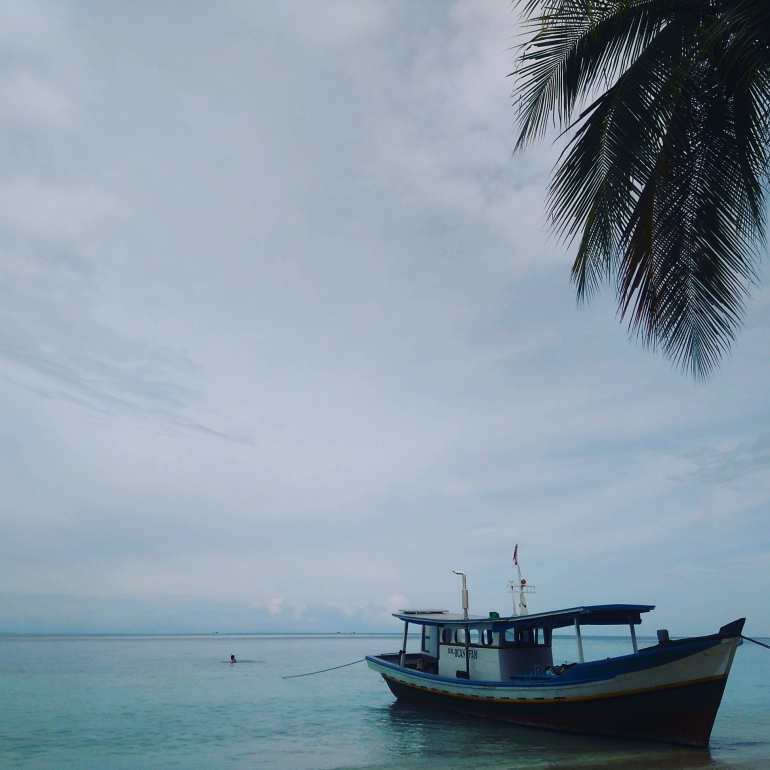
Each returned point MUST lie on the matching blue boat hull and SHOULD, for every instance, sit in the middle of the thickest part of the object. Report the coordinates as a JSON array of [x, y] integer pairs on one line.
[[670, 692], [683, 714]]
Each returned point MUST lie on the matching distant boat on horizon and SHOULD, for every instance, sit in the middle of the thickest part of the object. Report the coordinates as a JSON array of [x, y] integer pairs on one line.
[[502, 668]]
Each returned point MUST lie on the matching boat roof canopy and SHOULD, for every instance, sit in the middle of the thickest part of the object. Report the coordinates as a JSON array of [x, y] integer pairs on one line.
[[595, 615]]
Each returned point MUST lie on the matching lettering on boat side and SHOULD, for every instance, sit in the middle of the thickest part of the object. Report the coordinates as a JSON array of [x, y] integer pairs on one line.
[[459, 652]]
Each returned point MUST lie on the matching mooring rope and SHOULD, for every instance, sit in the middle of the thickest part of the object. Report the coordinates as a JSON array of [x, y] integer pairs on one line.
[[323, 670], [749, 639], [345, 665]]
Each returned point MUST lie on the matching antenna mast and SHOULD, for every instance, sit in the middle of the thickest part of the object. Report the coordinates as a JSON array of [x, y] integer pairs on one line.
[[519, 586]]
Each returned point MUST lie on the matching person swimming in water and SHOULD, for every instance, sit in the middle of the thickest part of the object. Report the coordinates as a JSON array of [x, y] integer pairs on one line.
[[232, 659]]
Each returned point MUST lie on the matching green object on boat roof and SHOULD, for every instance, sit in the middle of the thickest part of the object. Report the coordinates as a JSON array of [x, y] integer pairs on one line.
[[494, 614]]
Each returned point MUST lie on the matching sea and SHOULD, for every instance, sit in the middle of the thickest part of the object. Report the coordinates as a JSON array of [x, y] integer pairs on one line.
[[178, 701]]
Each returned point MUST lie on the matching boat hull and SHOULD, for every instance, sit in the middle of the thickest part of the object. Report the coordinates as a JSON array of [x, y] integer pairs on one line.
[[669, 694], [682, 715]]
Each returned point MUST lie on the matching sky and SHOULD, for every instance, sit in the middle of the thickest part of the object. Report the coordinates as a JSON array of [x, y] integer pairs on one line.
[[284, 340]]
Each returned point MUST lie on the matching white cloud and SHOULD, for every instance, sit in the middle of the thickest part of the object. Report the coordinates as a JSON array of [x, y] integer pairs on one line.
[[732, 462], [27, 99], [280, 331], [337, 22], [274, 605], [47, 211], [396, 603]]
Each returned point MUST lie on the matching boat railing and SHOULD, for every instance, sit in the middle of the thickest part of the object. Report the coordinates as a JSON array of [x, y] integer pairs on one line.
[[410, 660]]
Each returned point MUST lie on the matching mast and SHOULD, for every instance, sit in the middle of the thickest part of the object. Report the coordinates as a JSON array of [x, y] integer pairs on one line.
[[519, 586]]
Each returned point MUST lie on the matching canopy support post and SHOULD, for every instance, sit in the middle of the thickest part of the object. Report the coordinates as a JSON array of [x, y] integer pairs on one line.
[[633, 634], [467, 652], [403, 646], [579, 638]]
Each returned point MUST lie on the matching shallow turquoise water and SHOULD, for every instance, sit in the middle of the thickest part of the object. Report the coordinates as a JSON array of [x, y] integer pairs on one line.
[[176, 701]]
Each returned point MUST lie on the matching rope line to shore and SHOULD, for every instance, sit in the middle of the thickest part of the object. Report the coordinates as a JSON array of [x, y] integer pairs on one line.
[[361, 660], [323, 670], [749, 639]]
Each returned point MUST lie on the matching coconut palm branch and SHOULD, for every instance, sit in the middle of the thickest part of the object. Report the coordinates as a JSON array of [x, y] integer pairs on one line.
[[663, 180]]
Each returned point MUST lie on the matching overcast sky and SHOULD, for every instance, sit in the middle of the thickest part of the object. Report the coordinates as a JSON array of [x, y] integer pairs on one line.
[[284, 340]]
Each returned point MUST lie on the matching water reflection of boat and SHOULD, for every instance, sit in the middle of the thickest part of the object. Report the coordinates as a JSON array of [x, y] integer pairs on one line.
[[502, 668]]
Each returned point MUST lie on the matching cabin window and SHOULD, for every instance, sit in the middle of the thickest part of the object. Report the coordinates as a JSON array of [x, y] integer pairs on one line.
[[528, 637], [519, 637], [486, 637], [475, 636], [446, 635], [460, 636]]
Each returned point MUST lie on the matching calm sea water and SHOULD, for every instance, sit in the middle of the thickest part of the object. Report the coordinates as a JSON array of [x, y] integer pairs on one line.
[[176, 701]]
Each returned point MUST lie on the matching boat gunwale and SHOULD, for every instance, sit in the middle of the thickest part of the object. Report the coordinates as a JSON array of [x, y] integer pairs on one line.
[[572, 676]]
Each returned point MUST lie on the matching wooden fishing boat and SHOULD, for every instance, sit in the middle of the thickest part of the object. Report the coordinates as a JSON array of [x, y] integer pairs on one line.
[[502, 668]]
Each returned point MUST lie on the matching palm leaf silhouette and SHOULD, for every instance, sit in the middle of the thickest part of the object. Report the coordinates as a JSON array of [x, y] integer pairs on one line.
[[663, 179]]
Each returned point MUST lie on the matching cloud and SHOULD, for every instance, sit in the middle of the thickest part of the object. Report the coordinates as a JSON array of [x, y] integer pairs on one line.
[[274, 606], [283, 340], [721, 466], [396, 603], [26, 99], [336, 23], [370, 613], [50, 212]]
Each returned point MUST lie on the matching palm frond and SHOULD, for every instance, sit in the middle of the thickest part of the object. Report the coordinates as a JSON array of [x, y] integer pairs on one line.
[[665, 176], [577, 44], [688, 258]]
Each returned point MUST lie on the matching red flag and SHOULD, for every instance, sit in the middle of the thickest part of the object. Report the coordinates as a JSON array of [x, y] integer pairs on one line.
[[515, 560]]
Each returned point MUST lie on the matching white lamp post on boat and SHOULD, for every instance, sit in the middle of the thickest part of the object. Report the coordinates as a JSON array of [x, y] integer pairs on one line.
[[465, 594]]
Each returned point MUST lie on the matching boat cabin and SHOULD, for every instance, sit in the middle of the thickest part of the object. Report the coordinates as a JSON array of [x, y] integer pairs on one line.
[[495, 649]]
